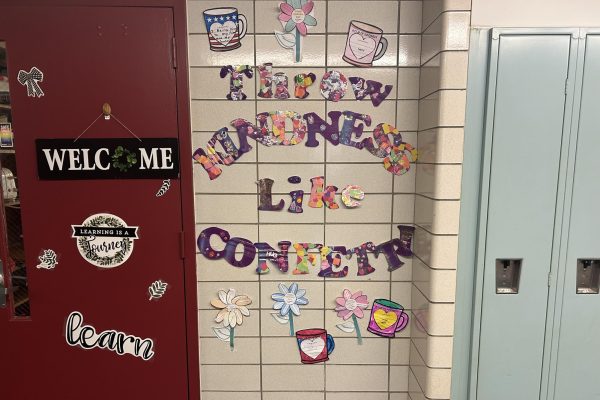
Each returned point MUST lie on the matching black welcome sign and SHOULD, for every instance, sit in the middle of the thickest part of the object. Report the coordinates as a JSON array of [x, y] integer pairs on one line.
[[65, 159]]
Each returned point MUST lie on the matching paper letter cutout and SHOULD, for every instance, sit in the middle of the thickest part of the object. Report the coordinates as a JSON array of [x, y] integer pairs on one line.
[[390, 250], [236, 80], [280, 80], [298, 129], [265, 72], [210, 158], [302, 82], [334, 85], [331, 132], [247, 256], [316, 192], [406, 235], [364, 88], [329, 261], [352, 192], [267, 253], [348, 128], [329, 197], [204, 242], [247, 129], [304, 259], [296, 203], [364, 268], [265, 199]]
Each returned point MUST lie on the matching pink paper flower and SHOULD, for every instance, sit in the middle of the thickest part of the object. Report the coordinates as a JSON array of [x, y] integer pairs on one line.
[[295, 13], [351, 304]]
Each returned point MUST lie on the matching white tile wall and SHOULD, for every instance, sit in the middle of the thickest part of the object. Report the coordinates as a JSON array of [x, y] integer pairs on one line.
[[426, 107], [437, 202]]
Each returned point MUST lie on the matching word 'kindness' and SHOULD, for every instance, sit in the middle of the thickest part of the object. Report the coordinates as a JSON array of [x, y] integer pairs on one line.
[[87, 338], [331, 260], [386, 142]]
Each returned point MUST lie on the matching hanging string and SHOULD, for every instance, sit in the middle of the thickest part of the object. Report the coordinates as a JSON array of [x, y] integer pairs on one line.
[[86, 129], [106, 112], [123, 125]]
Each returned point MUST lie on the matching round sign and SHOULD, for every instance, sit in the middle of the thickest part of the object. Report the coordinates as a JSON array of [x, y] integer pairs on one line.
[[105, 240]]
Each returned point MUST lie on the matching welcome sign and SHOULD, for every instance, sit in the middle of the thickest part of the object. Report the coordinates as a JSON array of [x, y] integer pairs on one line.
[[65, 159]]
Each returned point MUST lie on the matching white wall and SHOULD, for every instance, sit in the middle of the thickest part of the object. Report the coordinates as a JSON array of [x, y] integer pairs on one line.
[[535, 13]]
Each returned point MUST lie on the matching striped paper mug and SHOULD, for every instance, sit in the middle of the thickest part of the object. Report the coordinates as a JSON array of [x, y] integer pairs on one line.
[[225, 27]]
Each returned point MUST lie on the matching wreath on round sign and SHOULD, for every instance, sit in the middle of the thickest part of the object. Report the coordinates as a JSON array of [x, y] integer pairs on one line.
[[118, 258], [123, 159]]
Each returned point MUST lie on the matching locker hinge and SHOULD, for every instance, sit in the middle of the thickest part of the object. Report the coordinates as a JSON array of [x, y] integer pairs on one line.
[[182, 244], [550, 279], [174, 53], [566, 85]]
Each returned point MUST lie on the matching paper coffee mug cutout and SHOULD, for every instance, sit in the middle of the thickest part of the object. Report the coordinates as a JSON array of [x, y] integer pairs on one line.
[[315, 345], [233, 308], [351, 305], [387, 318], [226, 28], [288, 302], [30, 81], [295, 17], [365, 43]]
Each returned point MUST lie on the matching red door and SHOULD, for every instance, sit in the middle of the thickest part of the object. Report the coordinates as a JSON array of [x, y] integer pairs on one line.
[[86, 326]]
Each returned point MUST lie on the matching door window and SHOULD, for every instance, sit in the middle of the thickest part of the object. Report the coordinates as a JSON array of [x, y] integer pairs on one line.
[[12, 250]]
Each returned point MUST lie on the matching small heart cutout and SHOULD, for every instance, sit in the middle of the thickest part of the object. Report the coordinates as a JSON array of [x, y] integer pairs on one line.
[[362, 46], [312, 347], [384, 319], [223, 33]]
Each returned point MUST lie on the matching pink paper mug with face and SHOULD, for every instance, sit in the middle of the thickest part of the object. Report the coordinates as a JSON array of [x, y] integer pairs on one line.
[[365, 44]]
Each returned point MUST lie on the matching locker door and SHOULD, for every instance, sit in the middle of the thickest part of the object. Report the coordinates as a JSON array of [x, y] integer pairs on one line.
[[579, 348], [524, 128]]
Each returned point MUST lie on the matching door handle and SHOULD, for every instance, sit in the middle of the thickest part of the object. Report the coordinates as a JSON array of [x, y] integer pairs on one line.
[[3, 290]]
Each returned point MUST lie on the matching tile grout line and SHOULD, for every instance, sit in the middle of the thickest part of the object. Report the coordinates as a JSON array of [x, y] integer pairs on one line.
[[325, 182], [260, 328]]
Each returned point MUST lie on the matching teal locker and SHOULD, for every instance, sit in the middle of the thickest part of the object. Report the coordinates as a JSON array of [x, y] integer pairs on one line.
[[579, 332], [524, 132]]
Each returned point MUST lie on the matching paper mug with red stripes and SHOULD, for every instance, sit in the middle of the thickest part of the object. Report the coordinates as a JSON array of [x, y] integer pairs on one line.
[[225, 27]]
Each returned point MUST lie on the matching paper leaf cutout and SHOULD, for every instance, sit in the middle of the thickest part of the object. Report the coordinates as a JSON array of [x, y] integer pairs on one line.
[[166, 185], [285, 39], [347, 327], [222, 333], [282, 319], [48, 259], [157, 290]]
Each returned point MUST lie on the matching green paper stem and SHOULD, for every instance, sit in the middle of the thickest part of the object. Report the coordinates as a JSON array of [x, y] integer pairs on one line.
[[298, 37], [231, 334], [358, 335], [291, 315]]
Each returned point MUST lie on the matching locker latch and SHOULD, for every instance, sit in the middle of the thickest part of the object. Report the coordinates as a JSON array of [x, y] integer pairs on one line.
[[508, 275], [588, 276]]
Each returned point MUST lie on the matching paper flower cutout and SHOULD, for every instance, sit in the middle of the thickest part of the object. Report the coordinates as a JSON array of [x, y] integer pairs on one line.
[[295, 17], [233, 309], [351, 305], [288, 302], [295, 13]]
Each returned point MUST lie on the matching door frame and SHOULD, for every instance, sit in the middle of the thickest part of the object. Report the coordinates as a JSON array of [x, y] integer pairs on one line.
[[483, 55], [178, 8]]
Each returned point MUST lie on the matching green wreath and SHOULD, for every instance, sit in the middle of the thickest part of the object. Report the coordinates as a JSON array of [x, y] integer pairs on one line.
[[123, 159], [84, 245]]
